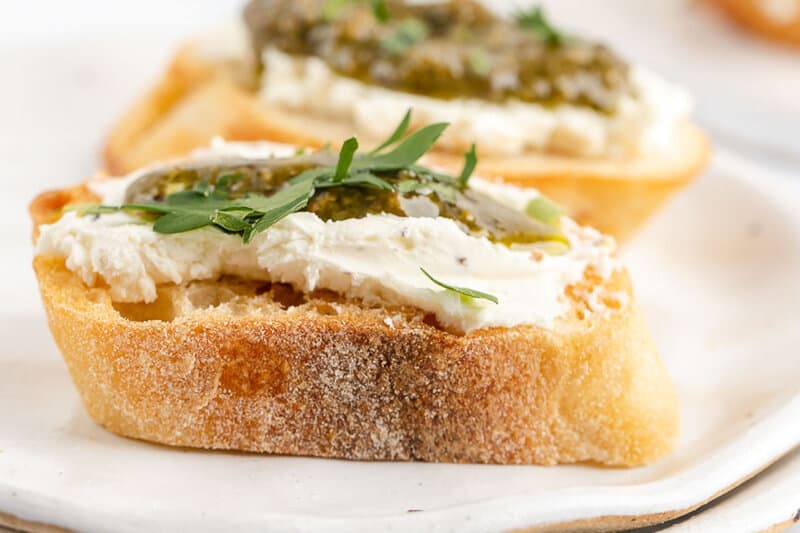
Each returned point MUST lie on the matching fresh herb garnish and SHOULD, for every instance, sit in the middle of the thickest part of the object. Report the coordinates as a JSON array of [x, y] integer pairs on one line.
[[406, 153], [470, 162], [215, 206], [397, 134], [535, 22], [380, 10], [345, 159], [332, 9], [408, 33], [463, 291]]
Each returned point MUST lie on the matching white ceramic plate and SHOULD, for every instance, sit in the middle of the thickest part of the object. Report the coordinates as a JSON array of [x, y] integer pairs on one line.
[[768, 503], [733, 353], [717, 274]]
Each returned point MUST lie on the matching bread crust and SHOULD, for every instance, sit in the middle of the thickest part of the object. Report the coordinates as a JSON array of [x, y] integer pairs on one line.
[[265, 370], [749, 14], [198, 99]]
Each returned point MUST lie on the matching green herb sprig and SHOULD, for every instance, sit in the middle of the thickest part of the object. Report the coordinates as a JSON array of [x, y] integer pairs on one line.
[[206, 205], [463, 291], [534, 21], [332, 9]]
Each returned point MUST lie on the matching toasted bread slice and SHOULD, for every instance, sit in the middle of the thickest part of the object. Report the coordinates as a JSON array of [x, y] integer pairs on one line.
[[242, 365], [783, 26], [201, 97]]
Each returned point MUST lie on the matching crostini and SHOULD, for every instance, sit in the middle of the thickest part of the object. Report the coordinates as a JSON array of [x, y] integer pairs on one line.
[[356, 305], [778, 20], [608, 140]]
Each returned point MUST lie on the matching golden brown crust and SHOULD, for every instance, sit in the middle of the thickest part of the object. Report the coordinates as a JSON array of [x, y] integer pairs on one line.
[[247, 366], [751, 15], [46, 207], [214, 104], [19, 524]]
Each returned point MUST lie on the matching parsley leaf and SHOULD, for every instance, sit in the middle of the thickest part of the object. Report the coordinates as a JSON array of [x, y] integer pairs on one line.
[[216, 206], [368, 179], [406, 153], [90, 209], [345, 159], [470, 162], [230, 222], [268, 210], [332, 9], [380, 10], [534, 21], [397, 134], [181, 221], [463, 291]]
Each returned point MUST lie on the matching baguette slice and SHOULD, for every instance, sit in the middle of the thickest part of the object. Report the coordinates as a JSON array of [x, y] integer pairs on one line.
[[754, 15], [240, 365], [202, 95]]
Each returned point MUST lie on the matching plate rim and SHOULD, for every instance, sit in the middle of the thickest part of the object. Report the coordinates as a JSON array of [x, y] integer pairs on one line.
[[649, 506]]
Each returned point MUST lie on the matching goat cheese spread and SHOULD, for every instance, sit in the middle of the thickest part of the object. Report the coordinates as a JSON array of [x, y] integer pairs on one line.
[[644, 124], [376, 258], [644, 119]]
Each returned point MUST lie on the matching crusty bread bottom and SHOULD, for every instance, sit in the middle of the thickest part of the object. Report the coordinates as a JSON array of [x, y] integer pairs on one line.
[[199, 98], [246, 366], [751, 15], [231, 364]]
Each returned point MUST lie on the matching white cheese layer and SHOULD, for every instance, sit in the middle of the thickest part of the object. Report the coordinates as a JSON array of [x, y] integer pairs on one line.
[[377, 258], [644, 124]]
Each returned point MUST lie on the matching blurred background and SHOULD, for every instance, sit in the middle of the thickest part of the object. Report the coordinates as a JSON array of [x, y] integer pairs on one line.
[[101, 54]]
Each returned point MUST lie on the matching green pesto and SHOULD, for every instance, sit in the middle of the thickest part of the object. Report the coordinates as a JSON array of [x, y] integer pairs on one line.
[[474, 213], [447, 49]]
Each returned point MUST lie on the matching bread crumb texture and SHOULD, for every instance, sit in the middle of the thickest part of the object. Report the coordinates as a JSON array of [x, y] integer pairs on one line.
[[258, 367], [253, 366]]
